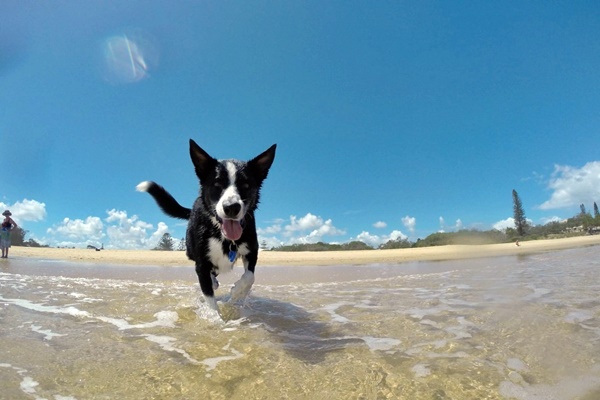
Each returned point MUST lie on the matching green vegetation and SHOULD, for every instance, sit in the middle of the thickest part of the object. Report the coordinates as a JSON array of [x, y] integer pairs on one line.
[[463, 237], [17, 238], [396, 244], [320, 246], [165, 243], [579, 225]]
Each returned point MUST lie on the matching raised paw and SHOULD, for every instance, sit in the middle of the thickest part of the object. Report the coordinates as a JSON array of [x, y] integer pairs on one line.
[[242, 287], [215, 282]]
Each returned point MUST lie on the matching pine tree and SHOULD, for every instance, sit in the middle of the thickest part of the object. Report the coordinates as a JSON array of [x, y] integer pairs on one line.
[[596, 212], [165, 243], [519, 214]]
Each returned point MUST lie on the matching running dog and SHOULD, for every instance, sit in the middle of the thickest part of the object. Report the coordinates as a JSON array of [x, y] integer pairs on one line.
[[221, 225]]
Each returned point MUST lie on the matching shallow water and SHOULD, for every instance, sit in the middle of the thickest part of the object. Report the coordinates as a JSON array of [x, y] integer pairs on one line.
[[499, 328]]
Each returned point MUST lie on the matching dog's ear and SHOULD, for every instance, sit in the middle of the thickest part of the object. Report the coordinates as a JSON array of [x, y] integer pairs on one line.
[[204, 164], [261, 163]]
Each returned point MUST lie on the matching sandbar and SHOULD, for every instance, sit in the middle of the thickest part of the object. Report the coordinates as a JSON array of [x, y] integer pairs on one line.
[[278, 258]]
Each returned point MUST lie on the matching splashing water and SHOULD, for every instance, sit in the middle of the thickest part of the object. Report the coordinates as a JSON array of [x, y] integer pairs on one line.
[[503, 328]]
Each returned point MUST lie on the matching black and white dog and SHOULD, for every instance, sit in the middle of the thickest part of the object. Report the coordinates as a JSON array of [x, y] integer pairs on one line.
[[221, 224]]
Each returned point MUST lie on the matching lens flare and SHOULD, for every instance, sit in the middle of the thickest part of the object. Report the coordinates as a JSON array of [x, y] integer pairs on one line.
[[129, 57]]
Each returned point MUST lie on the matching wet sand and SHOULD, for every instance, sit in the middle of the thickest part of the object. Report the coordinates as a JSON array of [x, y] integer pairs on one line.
[[276, 258]]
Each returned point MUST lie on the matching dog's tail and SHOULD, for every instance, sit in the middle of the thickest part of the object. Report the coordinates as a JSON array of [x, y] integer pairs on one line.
[[165, 201]]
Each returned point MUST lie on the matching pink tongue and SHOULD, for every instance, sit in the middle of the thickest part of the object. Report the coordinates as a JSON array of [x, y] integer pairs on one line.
[[232, 229]]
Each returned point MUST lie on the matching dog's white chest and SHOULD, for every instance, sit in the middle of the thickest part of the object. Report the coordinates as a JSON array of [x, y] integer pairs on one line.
[[221, 260]]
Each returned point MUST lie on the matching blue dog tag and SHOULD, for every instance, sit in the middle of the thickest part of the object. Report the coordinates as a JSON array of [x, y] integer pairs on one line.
[[232, 255]]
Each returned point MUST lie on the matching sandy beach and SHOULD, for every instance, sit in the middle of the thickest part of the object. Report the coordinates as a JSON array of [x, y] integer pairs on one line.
[[275, 258]]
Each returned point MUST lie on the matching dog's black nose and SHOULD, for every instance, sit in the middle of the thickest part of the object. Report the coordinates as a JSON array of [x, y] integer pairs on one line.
[[232, 210]]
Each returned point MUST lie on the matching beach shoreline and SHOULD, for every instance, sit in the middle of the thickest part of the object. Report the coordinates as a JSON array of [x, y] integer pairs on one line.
[[278, 258]]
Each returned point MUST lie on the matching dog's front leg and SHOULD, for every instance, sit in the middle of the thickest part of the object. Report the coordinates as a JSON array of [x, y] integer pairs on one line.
[[207, 285], [242, 287]]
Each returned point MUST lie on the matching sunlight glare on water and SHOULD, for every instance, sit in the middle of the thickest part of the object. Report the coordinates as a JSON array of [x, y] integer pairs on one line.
[[500, 328]]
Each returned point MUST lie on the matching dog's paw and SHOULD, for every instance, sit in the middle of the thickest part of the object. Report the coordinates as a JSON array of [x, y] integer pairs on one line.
[[242, 287], [211, 302], [209, 310], [215, 283]]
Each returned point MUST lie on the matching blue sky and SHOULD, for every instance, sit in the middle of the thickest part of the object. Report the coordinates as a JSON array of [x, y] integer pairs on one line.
[[392, 119]]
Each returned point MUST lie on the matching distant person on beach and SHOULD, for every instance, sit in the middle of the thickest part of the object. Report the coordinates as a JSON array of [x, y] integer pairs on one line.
[[7, 226], [517, 243]]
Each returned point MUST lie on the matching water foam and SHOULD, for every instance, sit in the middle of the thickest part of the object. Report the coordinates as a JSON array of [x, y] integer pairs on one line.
[[166, 343], [28, 385], [69, 310], [421, 370], [211, 363], [48, 334], [380, 344], [331, 309], [163, 318], [577, 316]]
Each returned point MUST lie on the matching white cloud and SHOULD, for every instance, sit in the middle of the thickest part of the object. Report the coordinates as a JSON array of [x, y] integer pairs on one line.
[[316, 235], [78, 230], [327, 229], [309, 221], [396, 234], [312, 228], [409, 223], [573, 186], [458, 225], [117, 231], [509, 223], [504, 224], [269, 230], [307, 229], [130, 232], [371, 240], [377, 240], [267, 234], [547, 220], [269, 241], [123, 220], [26, 210]]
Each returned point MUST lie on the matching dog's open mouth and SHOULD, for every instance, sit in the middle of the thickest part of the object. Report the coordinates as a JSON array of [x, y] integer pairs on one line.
[[232, 228]]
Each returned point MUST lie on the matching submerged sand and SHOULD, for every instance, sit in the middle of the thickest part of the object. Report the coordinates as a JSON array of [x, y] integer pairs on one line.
[[277, 258]]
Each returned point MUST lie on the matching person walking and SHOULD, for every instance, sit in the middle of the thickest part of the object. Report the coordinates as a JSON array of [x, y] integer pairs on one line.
[[7, 226]]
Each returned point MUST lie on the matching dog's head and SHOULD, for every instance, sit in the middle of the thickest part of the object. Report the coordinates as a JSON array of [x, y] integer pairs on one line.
[[230, 188]]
